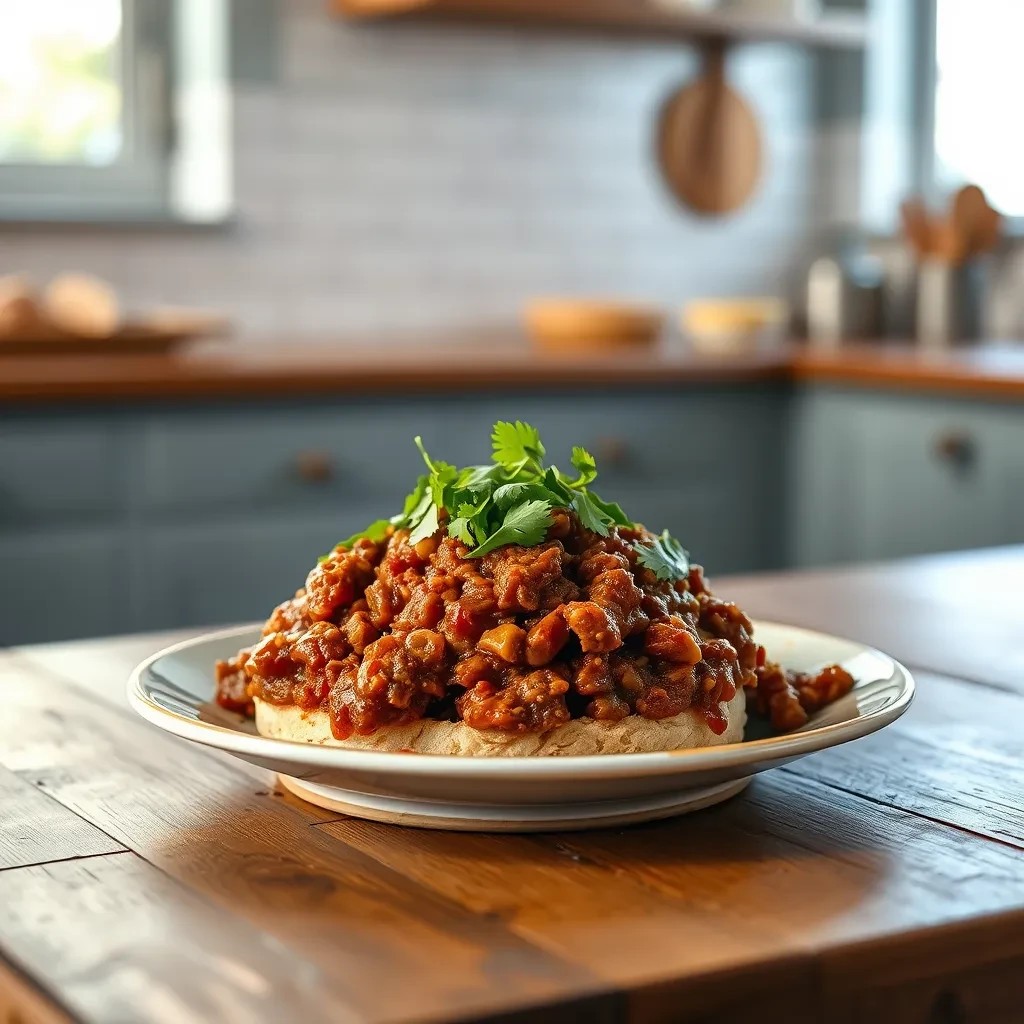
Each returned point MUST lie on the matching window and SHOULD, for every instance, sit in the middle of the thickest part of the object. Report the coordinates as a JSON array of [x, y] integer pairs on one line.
[[97, 99], [976, 74]]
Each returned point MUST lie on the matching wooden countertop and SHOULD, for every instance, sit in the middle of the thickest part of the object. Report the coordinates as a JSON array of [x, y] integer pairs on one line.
[[145, 879], [240, 370]]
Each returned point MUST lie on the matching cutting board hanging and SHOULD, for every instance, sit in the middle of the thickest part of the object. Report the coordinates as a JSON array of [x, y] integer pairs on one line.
[[709, 142]]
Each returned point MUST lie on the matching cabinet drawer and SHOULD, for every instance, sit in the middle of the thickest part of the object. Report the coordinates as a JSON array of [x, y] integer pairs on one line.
[[62, 586], [283, 457], [56, 470], [208, 574]]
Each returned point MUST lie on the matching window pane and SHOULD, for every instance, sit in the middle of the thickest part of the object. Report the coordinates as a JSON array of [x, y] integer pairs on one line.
[[60, 81], [979, 82]]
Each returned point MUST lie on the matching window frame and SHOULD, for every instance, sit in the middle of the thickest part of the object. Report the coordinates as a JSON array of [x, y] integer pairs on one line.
[[147, 181]]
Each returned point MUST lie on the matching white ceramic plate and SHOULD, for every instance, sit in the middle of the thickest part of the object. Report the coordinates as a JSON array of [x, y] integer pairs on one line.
[[174, 691]]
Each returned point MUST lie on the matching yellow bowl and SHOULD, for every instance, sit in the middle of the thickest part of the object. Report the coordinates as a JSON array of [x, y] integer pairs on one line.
[[733, 326]]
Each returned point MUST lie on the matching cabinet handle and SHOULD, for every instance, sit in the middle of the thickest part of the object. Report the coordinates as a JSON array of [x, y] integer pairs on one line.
[[612, 452], [956, 448], [314, 467]]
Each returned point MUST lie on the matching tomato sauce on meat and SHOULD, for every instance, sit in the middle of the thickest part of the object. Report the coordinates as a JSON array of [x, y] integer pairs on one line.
[[523, 639]]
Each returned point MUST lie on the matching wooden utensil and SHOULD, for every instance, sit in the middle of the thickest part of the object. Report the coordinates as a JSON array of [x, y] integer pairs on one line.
[[709, 142], [968, 213], [917, 225], [988, 224]]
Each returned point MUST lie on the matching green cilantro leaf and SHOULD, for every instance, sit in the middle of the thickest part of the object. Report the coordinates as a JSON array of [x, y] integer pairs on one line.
[[441, 481], [585, 465], [558, 484], [507, 495], [591, 516], [416, 503], [510, 502], [611, 510], [479, 478], [426, 527], [516, 444], [665, 557], [461, 529], [525, 524]]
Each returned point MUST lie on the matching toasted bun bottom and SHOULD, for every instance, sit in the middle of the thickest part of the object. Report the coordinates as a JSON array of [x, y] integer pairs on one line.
[[631, 735]]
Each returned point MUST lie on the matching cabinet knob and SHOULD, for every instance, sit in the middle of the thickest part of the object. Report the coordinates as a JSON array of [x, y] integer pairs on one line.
[[956, 448], [611, 452], [314, 467]]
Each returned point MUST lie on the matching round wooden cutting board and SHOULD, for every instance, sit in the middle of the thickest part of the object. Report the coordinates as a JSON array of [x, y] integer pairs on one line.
[[709, 143]]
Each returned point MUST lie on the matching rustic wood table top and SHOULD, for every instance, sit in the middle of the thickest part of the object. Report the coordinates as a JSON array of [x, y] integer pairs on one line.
[[145, 879]]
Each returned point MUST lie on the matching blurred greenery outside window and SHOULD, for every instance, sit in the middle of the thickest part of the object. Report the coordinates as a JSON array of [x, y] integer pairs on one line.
[[114, 110]]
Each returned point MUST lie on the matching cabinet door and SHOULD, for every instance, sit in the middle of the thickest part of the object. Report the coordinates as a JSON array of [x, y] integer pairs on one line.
[[211, 573], [62, 586], [58, 471], [885, 476], [931, 484]]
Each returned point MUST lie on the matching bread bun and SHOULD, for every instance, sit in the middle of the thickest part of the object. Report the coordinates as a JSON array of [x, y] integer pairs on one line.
[[83, 305], [582, 736], [19, 310]]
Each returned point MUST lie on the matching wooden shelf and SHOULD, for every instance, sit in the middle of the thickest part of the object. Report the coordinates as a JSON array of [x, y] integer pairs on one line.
[[645, 18]]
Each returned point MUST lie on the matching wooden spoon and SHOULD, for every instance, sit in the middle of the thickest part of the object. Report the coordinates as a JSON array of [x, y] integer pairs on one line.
[[989, 230], [968, 213], [917, 226]]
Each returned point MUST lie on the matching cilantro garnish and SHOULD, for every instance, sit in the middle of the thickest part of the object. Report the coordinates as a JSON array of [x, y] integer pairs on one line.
[[511, 500], [666, 557]]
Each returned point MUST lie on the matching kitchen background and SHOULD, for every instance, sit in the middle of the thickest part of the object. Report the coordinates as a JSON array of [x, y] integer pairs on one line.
[[423, 179], [416, 176]]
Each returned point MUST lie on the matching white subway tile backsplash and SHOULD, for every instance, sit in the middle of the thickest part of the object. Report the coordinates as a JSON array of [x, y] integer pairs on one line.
[[411, 176]]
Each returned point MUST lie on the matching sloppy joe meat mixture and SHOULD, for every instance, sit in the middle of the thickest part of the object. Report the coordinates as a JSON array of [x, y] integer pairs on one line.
[[524, 639]]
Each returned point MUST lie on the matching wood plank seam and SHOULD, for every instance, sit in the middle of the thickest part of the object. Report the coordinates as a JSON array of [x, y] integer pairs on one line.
[[831, 784], [346, 870], [64, 860]]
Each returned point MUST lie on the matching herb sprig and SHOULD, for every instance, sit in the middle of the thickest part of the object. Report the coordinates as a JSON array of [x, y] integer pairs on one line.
[[511, 501]]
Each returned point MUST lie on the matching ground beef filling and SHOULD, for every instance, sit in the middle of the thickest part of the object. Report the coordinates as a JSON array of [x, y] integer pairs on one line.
[[522, 640]]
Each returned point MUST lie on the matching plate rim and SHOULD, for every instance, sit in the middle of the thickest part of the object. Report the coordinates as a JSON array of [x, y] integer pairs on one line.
[[661, 762]]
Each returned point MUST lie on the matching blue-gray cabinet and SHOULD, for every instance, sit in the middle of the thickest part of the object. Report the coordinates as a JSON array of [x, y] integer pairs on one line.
[[879, 475], [142, 518], [135, 518]]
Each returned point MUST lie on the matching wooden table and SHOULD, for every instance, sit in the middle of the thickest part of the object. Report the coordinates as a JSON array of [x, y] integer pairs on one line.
[[144, 879]]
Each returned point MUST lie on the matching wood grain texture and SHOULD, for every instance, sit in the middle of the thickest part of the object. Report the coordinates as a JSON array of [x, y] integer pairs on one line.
[[121, 941], [502, 362], [22, 1002], [101, 667], [630, 17], [914, 610], [988, 371], [209, 826], [490, 361], [954, 758], [709, 142], [875, 882], [36, 830]]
